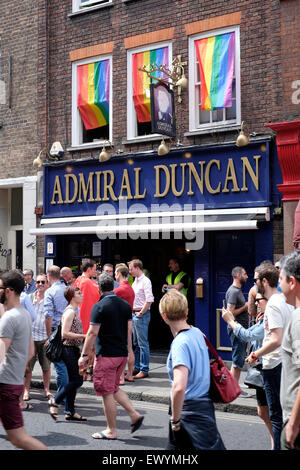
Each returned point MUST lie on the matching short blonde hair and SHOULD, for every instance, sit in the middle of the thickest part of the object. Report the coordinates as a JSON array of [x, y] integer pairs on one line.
[[122, 268], [174, 305], [136, 263]]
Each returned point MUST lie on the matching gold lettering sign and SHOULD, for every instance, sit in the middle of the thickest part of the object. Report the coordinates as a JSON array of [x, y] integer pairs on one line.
[[207, 177], [231, 176], [57, 192], [157, 180], [186, 178]]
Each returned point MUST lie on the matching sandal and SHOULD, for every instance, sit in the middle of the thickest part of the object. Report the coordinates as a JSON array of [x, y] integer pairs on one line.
[[75, 417], [52, 404]]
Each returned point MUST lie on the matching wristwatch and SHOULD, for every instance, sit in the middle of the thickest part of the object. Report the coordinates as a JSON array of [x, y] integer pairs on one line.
[[83, 355], [175, 425]]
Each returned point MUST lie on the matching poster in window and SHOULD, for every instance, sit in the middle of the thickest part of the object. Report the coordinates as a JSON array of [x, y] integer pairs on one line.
[[162, 110]]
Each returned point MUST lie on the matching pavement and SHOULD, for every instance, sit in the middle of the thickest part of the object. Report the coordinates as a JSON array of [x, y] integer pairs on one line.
[[156, 387]]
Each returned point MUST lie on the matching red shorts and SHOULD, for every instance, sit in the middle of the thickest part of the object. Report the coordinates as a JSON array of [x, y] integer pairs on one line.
[[10, 411], [106, 374]]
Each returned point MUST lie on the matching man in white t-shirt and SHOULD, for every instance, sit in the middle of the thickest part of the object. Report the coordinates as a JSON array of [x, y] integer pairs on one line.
[[290, 378], [16, 348], [276, 318]]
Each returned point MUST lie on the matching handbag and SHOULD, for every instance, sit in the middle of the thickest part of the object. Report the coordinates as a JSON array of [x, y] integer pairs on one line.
[[224, 388], [254, 378], [55, 346]]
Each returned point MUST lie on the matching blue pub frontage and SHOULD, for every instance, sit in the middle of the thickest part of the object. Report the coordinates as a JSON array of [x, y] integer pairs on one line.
[[210, 206]]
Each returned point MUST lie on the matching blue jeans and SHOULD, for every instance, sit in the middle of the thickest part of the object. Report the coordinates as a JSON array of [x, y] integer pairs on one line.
[[140, 342], [239, 348], [272, 378], [62, 378], [70, 357]]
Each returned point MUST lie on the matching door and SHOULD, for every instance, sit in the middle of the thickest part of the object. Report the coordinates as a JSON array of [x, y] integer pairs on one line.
[[228, 250]]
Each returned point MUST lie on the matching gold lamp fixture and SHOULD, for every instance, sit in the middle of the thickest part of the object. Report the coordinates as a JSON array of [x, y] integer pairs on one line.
[[104, 155], [38, 162], [243, 138], [175, 74], [163, 149]]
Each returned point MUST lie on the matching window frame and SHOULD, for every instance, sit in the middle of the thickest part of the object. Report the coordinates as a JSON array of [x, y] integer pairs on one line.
[[131, 114], [77, 124], [194, 125], [77, 6]]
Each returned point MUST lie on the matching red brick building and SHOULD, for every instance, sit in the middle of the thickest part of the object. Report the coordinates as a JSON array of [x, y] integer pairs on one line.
[[236, 187], [19, 142]]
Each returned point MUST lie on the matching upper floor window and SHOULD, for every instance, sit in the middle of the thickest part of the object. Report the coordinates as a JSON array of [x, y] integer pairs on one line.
[[138, 83], [79, 5], [91, 101], [214, 70]]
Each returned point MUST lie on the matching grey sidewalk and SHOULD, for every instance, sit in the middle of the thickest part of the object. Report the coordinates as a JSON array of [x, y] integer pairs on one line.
[[156, 388]]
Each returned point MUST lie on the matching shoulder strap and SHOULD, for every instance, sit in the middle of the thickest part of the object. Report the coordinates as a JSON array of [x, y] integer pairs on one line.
[[212, 349]]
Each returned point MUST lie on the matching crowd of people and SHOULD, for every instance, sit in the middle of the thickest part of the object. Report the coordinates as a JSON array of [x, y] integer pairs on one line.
[[104, 322], [274, 303]]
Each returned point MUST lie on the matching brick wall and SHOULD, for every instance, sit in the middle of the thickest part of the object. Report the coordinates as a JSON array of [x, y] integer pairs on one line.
[[290, 55], [261, 86], [18, 110]]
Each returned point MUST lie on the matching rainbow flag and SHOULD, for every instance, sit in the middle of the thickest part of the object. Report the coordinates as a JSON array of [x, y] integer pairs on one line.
[[141, 81], [93, 94], [216, 61]]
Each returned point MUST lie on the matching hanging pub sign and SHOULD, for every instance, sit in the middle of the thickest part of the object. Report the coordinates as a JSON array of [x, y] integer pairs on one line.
[[162, 109]]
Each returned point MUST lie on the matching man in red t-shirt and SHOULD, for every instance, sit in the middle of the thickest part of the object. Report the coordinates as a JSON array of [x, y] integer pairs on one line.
[[125, 292], [90, 291]]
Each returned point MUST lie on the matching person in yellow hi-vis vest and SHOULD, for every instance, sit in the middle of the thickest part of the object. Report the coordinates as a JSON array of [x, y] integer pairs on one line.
[[177, 279]]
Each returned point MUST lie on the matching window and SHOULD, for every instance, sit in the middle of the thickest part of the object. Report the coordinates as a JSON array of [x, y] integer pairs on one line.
[[138, 86], [81, 5], [214, 70], [91, 101]]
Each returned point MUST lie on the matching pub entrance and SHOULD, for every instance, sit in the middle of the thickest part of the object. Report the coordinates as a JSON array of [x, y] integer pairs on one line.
[[155, 255]]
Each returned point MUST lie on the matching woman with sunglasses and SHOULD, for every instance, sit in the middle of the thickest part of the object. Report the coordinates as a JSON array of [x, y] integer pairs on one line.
[[40, 336], [73, 339], [254, 334]]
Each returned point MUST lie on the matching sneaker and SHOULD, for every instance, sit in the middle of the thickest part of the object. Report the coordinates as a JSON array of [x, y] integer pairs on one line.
[[244, 394]]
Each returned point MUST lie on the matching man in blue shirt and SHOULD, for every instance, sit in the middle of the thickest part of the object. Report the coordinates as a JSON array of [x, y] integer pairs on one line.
[[30, 286], [54, 306]]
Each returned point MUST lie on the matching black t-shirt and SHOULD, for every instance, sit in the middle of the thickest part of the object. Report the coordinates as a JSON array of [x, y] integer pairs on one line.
[[112, 314]]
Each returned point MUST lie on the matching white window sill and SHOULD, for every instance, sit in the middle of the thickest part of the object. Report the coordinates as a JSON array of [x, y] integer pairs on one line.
[[209, 130], [82, 11], [91, 146], [149, 138]]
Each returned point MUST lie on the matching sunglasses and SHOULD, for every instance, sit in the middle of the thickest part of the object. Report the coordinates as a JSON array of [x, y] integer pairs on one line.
[[258, 300], [40, 282]]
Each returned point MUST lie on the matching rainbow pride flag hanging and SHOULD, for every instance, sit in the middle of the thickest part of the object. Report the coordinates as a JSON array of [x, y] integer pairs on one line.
[[141, 81], [216, 61], [93, 94]]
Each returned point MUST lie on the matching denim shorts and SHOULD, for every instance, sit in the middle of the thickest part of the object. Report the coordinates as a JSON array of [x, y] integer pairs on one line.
[[238, 350]]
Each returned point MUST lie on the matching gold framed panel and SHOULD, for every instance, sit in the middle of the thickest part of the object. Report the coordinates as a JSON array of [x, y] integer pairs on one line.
[[218, 332]]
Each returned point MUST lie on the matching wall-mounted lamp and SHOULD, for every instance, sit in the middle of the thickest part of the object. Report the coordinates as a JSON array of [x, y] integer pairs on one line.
[[104, 155], [38, 162], [163, 149], [175, 74], [243, 138], [56, 151]]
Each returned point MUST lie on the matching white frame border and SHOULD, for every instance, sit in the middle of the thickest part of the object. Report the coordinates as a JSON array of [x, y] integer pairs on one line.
[[192, 79]]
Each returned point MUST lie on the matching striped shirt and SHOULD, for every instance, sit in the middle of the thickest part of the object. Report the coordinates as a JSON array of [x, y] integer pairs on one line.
[[39, 331]]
